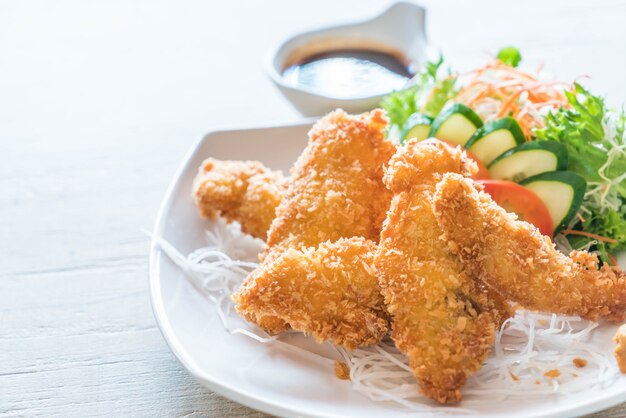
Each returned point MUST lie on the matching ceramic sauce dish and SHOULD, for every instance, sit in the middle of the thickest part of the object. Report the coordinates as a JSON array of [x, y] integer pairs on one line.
[[351, 66]]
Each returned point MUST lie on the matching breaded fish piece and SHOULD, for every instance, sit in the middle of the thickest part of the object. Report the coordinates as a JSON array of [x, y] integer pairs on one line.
[[335, 191], [441, 318], [514, 258], [620, 348], [330, 292], [242, 191]]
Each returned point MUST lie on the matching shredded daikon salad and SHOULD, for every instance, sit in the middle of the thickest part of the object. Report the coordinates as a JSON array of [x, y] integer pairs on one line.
[[535, 355]]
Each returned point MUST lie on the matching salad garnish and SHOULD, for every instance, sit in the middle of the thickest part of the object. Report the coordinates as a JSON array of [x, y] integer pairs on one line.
[[433, 88], [510, 55], [592, 135]]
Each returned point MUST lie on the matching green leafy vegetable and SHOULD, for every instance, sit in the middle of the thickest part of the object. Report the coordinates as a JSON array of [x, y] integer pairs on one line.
[[510, 56], [593, 135], [400, 105], [444, 90], [596, 144], [597, 155], [429, 94], [611, 224]]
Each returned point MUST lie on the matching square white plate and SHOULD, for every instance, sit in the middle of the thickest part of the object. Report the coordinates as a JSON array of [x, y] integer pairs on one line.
[[260, 376]]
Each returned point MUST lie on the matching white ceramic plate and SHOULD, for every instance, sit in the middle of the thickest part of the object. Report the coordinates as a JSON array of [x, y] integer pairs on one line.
[[261, 376]]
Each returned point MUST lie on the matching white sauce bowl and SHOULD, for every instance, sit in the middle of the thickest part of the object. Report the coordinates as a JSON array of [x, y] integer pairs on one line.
[[400, 29]]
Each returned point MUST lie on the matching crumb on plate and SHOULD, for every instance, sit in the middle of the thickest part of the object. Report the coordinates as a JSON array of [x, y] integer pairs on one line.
[[342, 371], [620, 349]]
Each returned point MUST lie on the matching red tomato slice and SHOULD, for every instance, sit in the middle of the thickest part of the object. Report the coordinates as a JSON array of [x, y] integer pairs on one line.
[[518, 199]]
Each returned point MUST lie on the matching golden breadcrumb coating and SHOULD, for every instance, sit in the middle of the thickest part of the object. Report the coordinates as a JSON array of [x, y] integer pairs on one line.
[[336, 188], [441, 318], [514, 258], [342, 371], [335, 191], [330, 292], [620, 348], [242, 191]]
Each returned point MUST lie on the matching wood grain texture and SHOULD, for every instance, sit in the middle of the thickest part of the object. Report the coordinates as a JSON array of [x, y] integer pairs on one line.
[[99, 101]]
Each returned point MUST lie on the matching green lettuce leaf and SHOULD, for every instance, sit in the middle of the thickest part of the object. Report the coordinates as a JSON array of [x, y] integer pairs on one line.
[[433, 88], [595, 141], [580, 128]]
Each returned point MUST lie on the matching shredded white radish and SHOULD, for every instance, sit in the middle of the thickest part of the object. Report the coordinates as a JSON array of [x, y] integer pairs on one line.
[[530, 350]]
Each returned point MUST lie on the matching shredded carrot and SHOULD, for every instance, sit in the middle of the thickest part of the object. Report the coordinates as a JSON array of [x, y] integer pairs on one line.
[[479, 95], [496, 90], [508, 83], [589, 235], [505, 107], [501, 66], [613, 260], [554, 103], [580, 217]]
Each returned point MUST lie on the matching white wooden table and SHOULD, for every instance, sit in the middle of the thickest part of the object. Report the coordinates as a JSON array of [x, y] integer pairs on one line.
[[99, 101]]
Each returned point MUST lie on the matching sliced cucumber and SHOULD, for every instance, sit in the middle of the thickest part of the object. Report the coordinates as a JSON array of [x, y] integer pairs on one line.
[[456, 124], [417, 126], [495, 138], [561, 191], [529, 159]]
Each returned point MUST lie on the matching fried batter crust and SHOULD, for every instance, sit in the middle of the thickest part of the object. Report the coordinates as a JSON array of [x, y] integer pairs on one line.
[[242, 191], [514, 258], [336, 188], [620, 348], [330, 292], [442, 320], [335, 191]]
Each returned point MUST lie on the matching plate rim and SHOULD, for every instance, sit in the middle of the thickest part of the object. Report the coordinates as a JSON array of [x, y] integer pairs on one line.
[[156, 300], [599, 403]]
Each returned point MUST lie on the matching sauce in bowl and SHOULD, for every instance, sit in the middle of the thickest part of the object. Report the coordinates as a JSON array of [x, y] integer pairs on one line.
[[349, 73]]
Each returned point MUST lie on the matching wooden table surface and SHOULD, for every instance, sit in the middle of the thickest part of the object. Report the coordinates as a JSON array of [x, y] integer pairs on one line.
[[100, 100]]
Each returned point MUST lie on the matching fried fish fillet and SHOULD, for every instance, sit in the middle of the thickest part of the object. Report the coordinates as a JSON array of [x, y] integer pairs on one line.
[[242, 191], [441, 318], [335, 191], [330, 292], [620, 348], [514, 258]]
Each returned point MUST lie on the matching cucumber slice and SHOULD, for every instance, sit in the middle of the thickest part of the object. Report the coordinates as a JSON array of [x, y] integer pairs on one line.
[[417, 126], [529, 159], [456, 124], [495, 138], [561, 191]]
